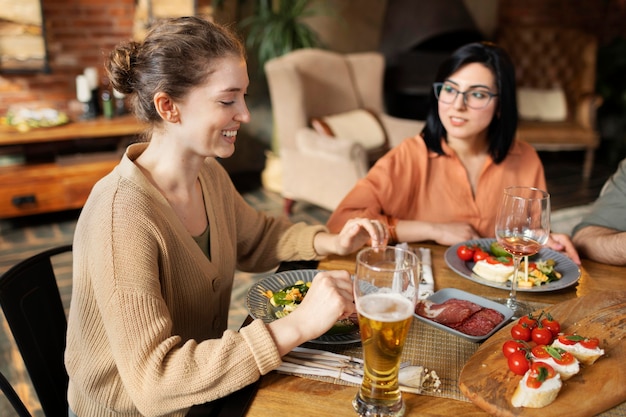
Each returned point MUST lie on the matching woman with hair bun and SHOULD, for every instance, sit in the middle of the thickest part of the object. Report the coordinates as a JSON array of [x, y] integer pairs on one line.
[[158, 241]]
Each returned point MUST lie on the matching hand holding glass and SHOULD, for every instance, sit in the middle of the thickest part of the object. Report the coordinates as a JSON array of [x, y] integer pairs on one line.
[[522, 227], [385, 293]]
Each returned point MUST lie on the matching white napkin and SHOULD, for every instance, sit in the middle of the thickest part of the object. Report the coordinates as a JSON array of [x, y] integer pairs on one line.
[[304, 361], [296, 369], [427, 283]]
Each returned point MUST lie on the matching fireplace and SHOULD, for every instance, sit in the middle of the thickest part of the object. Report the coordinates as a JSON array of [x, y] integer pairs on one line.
[[417, 36]]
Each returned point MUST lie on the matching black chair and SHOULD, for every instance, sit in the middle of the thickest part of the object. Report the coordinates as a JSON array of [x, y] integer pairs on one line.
[[31, 302], [13, 398]]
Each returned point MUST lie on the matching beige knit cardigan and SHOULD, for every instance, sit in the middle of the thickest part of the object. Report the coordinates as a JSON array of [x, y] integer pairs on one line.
[[147, 324]]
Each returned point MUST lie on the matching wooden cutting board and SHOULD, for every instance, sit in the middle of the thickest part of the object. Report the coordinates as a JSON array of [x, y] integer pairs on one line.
[[488, 383]]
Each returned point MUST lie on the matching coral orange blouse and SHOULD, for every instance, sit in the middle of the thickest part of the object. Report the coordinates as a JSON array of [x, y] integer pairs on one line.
[[412, 183]]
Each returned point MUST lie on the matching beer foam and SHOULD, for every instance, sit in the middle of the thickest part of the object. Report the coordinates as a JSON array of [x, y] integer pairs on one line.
[[385, 307]]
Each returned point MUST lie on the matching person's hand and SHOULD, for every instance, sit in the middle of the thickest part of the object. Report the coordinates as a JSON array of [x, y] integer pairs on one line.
[[449, 234], [358, 232], [562, 243], [330, 298]]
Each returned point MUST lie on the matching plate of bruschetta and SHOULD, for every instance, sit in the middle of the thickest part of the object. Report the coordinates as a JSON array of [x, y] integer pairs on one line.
[[596, 386]]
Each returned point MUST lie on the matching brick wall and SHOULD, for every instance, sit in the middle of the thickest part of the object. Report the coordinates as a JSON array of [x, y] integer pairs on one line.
[[78, 34]]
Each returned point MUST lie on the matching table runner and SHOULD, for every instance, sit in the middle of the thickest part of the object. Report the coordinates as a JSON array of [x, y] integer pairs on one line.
[[436, 350], [427, 346]]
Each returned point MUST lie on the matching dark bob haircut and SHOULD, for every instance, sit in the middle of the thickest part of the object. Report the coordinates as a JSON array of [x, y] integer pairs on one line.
[[501, 131]]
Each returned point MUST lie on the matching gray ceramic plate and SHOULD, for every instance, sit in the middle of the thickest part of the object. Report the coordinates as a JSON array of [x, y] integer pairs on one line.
[[448, 293], [569, 270], [260, 308]]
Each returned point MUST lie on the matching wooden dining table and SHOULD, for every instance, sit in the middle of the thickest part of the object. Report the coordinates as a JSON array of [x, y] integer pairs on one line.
[[286, 395]]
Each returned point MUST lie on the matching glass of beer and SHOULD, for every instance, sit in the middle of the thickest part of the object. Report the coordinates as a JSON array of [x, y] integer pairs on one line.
[[385, 292]]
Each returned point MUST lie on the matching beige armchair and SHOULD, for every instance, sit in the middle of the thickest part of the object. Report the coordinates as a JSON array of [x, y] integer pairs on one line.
[[556, 59], [318, 85]]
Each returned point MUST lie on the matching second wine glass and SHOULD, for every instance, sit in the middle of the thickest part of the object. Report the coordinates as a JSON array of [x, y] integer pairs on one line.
[[522, 228]]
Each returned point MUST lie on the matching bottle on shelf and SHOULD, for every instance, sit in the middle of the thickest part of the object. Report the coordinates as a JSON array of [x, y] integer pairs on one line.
[[91, 73], [107, 104], [85, 97]]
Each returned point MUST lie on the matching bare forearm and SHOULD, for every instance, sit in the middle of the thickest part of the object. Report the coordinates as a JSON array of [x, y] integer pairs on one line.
[[287, 334], [414, 231], [325, 244], [442, 233], [601, 244]]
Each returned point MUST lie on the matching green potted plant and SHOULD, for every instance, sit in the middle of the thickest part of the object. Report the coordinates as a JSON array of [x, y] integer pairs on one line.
[[276, 27]]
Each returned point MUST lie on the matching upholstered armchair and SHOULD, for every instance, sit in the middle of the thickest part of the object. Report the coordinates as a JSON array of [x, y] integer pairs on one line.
[[556, 75], [329, 122]]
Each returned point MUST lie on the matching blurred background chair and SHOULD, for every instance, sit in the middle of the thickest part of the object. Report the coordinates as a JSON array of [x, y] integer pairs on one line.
[[556, 77], [32, 306], [330, 123]]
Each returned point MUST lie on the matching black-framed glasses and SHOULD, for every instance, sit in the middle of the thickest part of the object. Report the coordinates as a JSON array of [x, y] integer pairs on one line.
[[474, 98]]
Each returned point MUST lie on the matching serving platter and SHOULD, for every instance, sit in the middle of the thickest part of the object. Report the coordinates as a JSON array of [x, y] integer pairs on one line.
[[569, 270], [487, 382], [259, 305], [445, 294]]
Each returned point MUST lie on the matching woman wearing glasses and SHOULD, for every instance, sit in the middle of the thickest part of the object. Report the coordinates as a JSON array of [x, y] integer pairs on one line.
[[445, 184]]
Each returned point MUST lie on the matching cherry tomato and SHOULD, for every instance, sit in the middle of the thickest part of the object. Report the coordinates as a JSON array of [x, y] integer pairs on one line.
[[529, 321], [590, 342], [518, 362], [549, 323], [521, 332], [566, 358], [511, 346], [567, 339], [492, 260], [559, 355], [587, 342], [539, 372], [540, 352], [502, 260], [480, 254], [541, 336], [465, 252]]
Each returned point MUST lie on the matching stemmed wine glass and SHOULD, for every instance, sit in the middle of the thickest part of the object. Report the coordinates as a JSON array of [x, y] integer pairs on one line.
[[522, 227]]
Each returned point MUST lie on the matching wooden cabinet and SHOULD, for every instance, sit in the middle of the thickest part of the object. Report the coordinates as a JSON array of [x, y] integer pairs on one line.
[[61, 164]]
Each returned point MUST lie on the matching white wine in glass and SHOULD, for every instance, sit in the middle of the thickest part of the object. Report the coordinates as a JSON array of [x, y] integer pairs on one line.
[[522, 228]]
